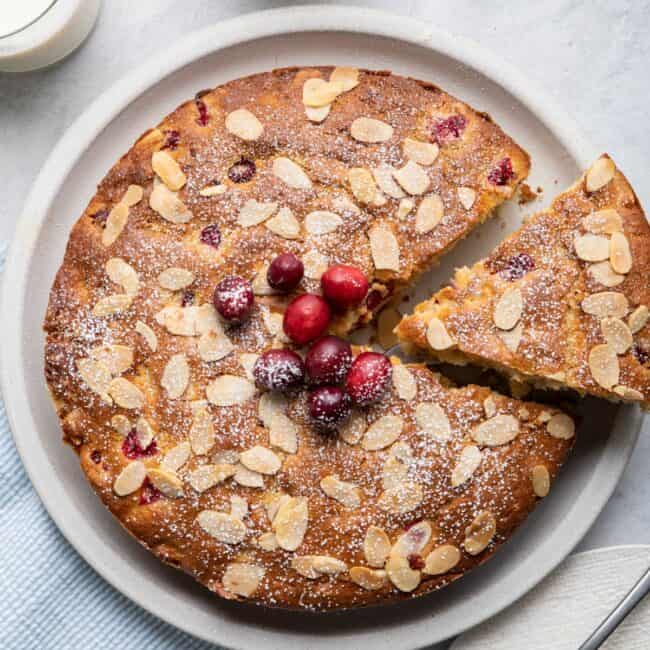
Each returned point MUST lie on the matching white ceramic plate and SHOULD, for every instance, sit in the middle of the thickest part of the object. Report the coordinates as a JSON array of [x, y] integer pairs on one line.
[[256, 42]]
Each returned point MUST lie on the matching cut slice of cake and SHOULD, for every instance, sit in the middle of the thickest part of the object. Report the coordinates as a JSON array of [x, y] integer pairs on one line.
[[560, 303]]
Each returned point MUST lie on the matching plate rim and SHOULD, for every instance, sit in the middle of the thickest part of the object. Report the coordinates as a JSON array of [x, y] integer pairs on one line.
[[194, 46]]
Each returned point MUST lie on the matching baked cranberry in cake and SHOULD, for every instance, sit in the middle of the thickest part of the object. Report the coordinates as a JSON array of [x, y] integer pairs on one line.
[[211, 235], [242, 171], [502, 173]]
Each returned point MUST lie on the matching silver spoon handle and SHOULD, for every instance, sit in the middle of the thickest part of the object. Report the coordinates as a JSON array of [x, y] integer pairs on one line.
[[615, 618]]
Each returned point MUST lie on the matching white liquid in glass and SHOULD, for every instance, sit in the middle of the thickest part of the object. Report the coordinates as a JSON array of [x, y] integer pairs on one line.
[[17, 14]]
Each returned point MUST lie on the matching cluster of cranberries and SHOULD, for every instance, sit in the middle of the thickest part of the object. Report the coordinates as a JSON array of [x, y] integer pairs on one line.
[[336, 381]]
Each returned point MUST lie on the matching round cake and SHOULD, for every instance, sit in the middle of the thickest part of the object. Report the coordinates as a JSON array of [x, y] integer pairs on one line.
[[196, 350]]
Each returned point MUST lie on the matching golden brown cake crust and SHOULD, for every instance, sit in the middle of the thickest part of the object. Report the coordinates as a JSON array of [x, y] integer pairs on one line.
[[155, 392]]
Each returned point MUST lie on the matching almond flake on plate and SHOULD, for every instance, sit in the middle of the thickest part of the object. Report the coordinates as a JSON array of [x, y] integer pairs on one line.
[[603, 222], [352, 430], [369, 579], [561, 426], [96, 376], [441, 560], [315, 264], [617, 334], [603, 273], [317, 92], [467, 197], [345, 77], [166, 482], [202, 437], [606, 304], [132, 196], [620, 256], [376, 546], [362, 184], [402, 498], [591, 248], [508, 309], [638, 319], [176, 457], [214, 346], [117, 358], [384, 178], [541, 480], [283, 433], [207, 476], [468, 463]]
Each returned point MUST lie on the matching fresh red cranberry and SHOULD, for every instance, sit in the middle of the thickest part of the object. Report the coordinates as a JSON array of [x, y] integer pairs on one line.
[[640, 354], [328, 406], [502, 172], [100, 217], [211, 235], [149, 493], [132, 449], [328, 361], [96, 456], [203, 117], [447, 129], [285, 272], [279, 370], [374, 299], [416, 562], [187, 298], [242, 171], [517, 266], [233, 298], [344, 286], [306, 318], [368, 378], [172, 138]]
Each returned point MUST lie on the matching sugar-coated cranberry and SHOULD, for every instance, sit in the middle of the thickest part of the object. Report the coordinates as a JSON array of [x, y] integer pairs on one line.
[[416, 562], [374, 299], [517, 266], [187, 298], [368, 378], [149, 493], [328, 361], [447, 129], [279, 370], [328, 406], [306, 318], [502, 172], [640, 354], [233, 298], [344, 286], [96, 456], [172, 138], [211, 235], [100, 217], [132, 449], [242, 171], [204, 116], [285, 272]]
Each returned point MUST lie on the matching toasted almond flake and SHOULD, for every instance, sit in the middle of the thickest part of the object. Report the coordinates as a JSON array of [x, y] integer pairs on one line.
[[242, 579], [603, 222], [121, 424], [273, 501], [244, 125], [599, 174], [315, 566], [96, 375], [412, 178], [393, 473], [404, 208], [401, 575], [376, 546], [178, 320], [489, 406], [123, 274], [229, 390], [202, 436], [541, 480], [382, 432], [429, 214], [167, 204], [267, 541], [248, 478], [620, 256], [261, 286], [176, 457], [466, 196], [512, 338], [433, 421], [367, 129], [130, 478], [126, 394], [260, 459], [383, 176], [270, 405], [603, 273], [544, 416], [369, 579], [255, 212], [132, 196], [402, 451], [290, 523], [561, 426], [284, 224], [238, 506], [345, 77], [404, 382], [317, 92], [291, 174], [414, 540], [638, 319], [344, 205], [214, 346], [353, 429], [606, 304], [442, 560], [283, 432], [402, 498], [166, 482], [480, 533], [628, 393], [468, 463], [362, 184], [115, 223], [499, 430], [384, 248], [247, 361], [213, 190], [591, 248], [114, 304], [176, 376], [207, 476], [438, 336], [423, 153], [175, 278], [117, 358], [508, 309], [617, 334], [319, 114], [345, 493], [144, 432], [223, 527], [168, 170], [315, 264], [322, 222]]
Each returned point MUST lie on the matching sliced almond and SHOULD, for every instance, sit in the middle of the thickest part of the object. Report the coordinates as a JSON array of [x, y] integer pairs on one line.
[[176, 376], [345, 493], [214, 346], [175, 278], [617, 334], [376, 546], [480, 533], [247, 361], [168, 170], [126, 394], [353, 429], [438, 336], [242, 579], [284, 224], [166, 482], [270, 405], [429, 214], [117, 358], [315, 264], [229, 390], [213, 190], [202, 436], [322, 222], [591, 248], [508, 309], [404, 208], [384, 248], [96, 376], [383, 176], [412, 178], [290, 523], [441, 560], [638, 319], [433, 421], [176, 457], [394, 472], [620, 256], [130, 478], [401, 575], [512, 338], [223, 527], [628, 393], [315, 566], [244, 125], [402, 498], [414, 540], [499, 430], [123, 274], [603, 222], [382, 432], [121, 424], [114, 304], [291, 174], [404, 383], [207, 476], [541, 480], [167, 204], [345, 77], [283, 433], [489, 406], [260, 459], [467, 197], [144, 432], [267, 542], [261, 286], [147, 334], [606, 304], [248, 478], [369, 579], [317, 92], [599, 174], [468, 463], [254, 212], [603, 273], [423, 153], [132, 196], [561, 426], [115, 223], [367, 129], [319, 114], [362, 184]]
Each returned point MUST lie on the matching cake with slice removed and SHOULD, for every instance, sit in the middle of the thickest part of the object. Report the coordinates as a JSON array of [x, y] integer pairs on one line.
[[560, 303]]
